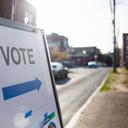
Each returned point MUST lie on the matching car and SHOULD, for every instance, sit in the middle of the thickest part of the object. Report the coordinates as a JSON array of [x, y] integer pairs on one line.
[[92, 64], [67, 64], [59, 70]]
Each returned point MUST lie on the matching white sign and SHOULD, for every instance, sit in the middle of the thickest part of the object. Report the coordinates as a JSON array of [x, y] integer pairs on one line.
[[27, 99]]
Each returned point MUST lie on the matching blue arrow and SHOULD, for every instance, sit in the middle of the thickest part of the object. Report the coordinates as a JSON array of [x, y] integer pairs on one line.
[[19, 89], [27, 114]]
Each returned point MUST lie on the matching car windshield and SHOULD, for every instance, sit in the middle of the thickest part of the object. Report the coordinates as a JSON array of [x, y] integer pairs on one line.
[[92, 63], [54, 66]]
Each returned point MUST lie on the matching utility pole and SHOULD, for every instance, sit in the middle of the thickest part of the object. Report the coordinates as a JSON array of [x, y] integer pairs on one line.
[[114, 37]]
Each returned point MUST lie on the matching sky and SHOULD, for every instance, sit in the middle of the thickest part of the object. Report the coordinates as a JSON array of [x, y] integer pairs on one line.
[[84, 22]]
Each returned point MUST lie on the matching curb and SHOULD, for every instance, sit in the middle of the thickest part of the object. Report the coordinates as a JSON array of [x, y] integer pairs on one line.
[[76, 117]]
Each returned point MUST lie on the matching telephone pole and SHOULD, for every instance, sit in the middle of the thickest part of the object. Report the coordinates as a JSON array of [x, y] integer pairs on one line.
[[114, 37]]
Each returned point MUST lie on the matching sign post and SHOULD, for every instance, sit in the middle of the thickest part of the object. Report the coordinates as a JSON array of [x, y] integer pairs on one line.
[[28, 97]]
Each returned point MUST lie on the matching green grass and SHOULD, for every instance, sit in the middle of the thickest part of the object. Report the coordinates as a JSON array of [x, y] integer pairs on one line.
[[105, 88], [111, 78]]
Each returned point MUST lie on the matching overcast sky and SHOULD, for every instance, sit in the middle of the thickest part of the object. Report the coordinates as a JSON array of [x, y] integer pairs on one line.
[[84, 22]]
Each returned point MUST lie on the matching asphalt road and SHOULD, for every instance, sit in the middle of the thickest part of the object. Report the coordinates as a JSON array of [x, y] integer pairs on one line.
[[72, 97]]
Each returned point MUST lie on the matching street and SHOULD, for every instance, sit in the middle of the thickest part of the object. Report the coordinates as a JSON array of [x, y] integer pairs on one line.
[[77, 89], [56, 56]]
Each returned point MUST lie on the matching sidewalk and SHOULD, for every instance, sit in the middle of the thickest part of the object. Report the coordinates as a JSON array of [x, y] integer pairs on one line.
[[106, 110]]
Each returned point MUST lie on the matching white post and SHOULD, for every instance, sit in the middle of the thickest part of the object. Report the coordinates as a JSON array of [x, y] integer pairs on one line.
[[13, 10]]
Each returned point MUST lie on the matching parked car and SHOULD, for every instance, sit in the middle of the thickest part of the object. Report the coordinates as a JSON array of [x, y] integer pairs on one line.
[[92, 64], [59, 70], [67, 64]]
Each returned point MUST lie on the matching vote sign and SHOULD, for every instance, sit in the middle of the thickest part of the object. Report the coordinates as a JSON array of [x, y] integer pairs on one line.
[[27, 94]]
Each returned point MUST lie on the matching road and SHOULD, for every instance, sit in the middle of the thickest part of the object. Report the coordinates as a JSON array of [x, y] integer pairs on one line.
[[75, 94]]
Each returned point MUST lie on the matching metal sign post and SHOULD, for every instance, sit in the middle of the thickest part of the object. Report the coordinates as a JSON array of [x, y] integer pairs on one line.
[[28, 97]]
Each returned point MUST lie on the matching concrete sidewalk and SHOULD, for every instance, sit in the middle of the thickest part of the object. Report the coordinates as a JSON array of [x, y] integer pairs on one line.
[[106, 110]]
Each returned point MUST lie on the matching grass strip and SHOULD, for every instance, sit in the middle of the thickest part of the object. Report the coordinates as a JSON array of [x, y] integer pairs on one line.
[[111, 78]]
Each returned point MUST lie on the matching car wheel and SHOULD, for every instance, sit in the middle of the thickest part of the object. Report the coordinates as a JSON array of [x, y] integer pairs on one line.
[[58, 76], [66, 75]]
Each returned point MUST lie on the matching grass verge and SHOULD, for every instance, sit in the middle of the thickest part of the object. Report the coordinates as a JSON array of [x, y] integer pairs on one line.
[[111, 78]]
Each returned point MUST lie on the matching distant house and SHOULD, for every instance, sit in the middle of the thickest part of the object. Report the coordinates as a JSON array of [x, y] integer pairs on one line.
[[58, 46], [82, 55], [18, 10]]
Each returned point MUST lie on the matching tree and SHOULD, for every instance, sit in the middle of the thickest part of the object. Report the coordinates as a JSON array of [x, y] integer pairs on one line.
[[107, 59], [57, 55]]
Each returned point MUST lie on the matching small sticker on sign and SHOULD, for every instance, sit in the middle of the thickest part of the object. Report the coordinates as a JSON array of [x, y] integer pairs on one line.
[[47, 119]]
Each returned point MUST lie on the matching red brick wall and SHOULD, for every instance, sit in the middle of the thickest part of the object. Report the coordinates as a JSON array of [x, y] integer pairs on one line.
[[21, 7], [5, 8]]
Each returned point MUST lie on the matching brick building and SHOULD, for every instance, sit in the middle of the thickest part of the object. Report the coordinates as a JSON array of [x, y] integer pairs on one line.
[[82, 55], [57, 42], [18, 10], [58, 46], [125, 49]]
